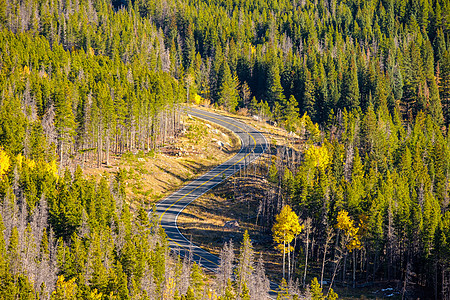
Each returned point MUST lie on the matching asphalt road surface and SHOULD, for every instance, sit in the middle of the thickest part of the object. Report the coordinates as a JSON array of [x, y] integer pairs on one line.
[[253, 144]]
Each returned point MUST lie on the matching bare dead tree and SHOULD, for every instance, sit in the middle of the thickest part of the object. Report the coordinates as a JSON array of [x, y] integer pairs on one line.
[[307, 230], [330, 235], [225, 268], [259, 284]]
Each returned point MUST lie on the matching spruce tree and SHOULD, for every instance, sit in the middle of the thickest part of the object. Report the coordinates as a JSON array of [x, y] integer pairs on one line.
[[244, 268], [350, 93], [275, 90], [228, 95]]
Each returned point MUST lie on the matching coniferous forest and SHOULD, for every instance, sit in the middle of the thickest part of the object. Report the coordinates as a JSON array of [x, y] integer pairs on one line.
[[366, 84]]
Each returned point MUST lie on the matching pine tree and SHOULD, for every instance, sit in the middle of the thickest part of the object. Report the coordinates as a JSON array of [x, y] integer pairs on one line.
[[291, 114], [12, 126], [228, 95], [444, 86], [350, 93], [316, 290], [244, 268], [245, 294], [189, 47], [275, 90], [283, 293], [412, 100], [309, 96], [3, 12], [65, 121]]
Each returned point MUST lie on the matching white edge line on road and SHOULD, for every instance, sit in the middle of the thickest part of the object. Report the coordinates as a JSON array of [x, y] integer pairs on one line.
[[239, 162]]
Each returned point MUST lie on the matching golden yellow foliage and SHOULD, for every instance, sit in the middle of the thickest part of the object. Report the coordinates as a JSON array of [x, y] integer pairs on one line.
[[52, 168], [26, 70], [22, 160], [198, 99], [5, 162], [95, 295], [317, 156], [30, 163], [345, 223], [286, 227], [65, 289]]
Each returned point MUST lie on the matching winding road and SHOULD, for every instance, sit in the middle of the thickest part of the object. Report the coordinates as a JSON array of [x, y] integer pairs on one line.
[[253, 144]]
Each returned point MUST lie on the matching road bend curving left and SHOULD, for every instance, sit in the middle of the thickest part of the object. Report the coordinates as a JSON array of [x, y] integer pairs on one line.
[[253, 145]]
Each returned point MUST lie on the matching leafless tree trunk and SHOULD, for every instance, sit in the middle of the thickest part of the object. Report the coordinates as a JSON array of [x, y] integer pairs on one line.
[[407, 278], [289, 262], [259, 286], [225, 268], [340, 251], [99, 146], [308, 231], [344, 269], [284, 257], [354, 268], [107, 141], [330, 235]]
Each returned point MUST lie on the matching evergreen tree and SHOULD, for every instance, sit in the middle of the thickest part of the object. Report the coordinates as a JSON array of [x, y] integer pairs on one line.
[[275, 91], [228, 95], [309, 95], [350, 93], [244, 268]]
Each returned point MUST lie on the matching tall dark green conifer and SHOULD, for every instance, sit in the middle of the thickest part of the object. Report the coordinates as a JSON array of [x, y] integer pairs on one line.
[[309, 95], [275, 90], [350, 90], [228, 94]]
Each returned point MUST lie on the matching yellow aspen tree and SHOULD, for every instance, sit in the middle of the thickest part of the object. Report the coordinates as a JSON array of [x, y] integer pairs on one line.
[[285, 229], [317, 156], [22, 160], [5, 162], [351, 237], [65, 290], [351, 232]]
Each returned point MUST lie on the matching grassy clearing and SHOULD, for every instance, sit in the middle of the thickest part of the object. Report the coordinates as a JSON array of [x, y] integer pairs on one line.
[[154, 175]]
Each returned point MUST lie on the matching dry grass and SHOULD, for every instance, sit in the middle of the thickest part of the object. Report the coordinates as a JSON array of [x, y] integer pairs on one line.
[[203, 220]]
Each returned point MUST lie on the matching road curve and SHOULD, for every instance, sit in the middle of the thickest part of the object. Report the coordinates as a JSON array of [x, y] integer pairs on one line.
[[253, 144]]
